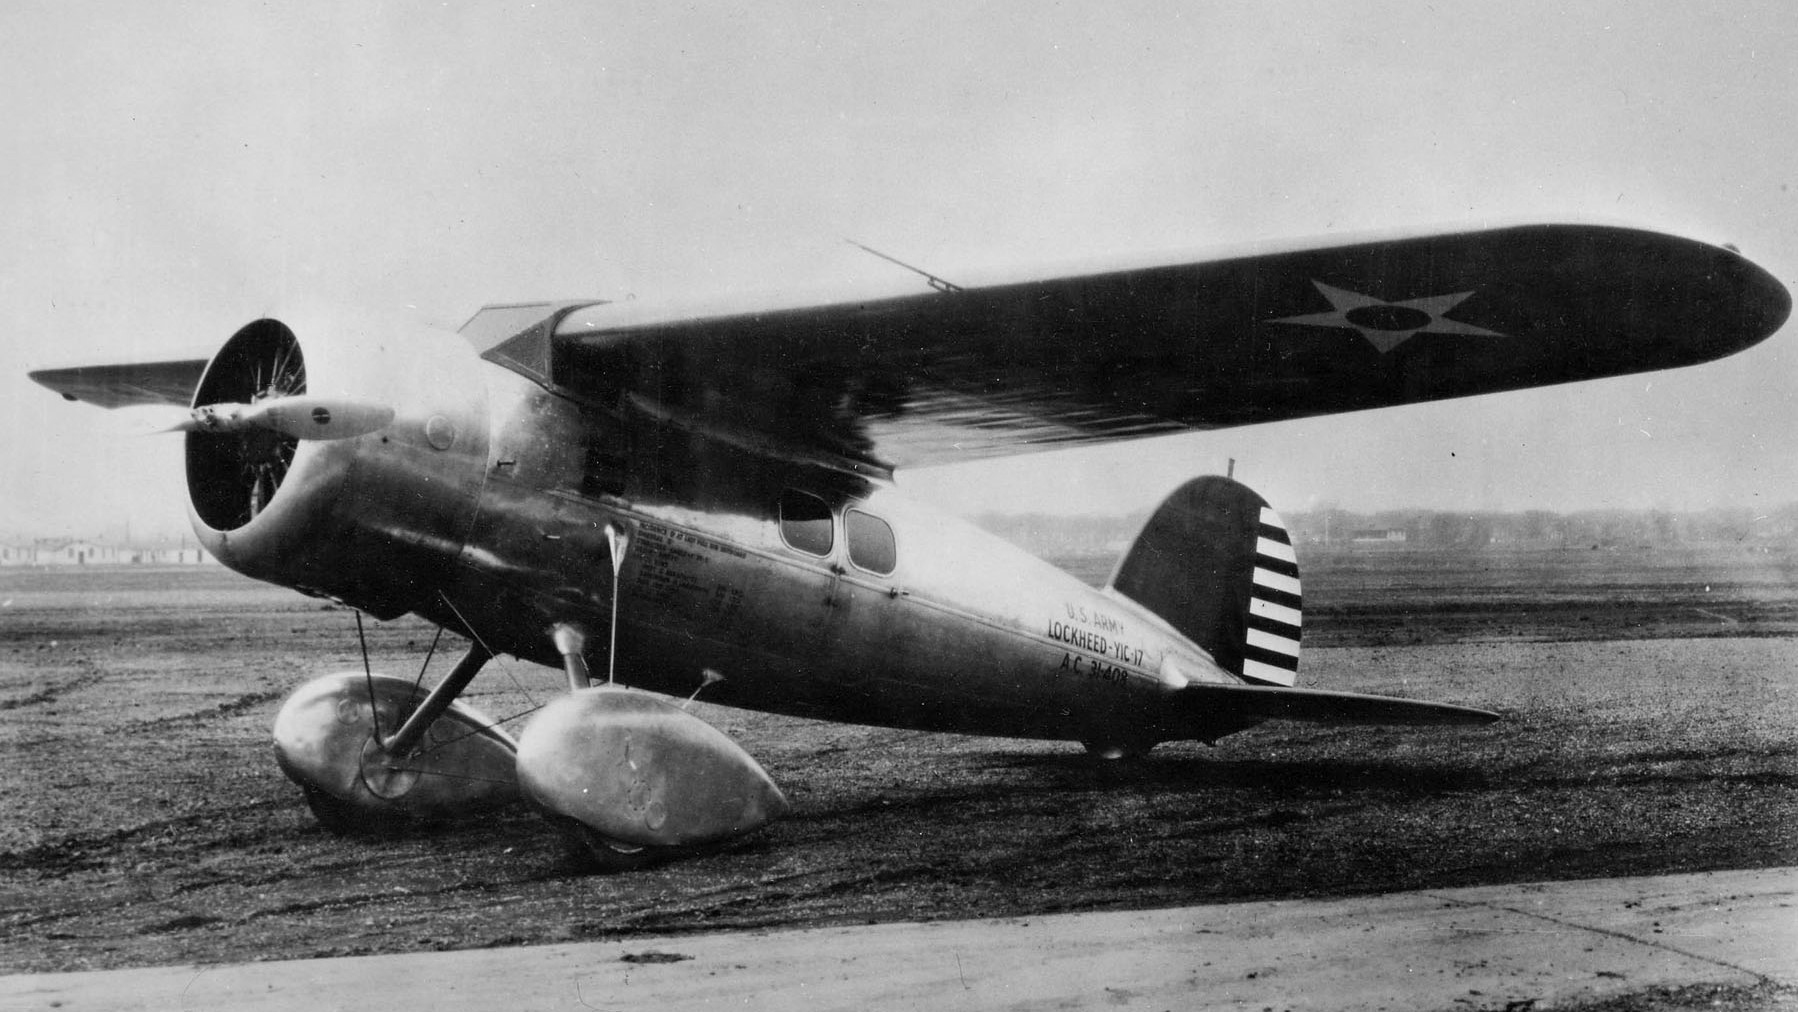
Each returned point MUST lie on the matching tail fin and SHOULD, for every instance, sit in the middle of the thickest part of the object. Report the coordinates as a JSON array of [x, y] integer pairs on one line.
[[1216, 563]]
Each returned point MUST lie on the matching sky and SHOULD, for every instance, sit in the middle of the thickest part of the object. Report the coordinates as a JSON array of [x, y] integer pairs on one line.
[[174, 170]]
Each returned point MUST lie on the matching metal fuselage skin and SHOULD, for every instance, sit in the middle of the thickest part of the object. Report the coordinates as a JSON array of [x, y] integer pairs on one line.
[[484, 505]]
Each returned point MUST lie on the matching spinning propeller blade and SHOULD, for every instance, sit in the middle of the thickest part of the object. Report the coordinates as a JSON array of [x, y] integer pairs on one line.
[[298, 416]]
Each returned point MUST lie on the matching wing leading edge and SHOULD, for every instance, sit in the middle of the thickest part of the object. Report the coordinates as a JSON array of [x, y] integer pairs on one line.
[[1004, 369], [948, 377], [127, 385]]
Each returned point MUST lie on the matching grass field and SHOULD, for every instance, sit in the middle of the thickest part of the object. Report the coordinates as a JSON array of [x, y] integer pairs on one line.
[[1650, 703]]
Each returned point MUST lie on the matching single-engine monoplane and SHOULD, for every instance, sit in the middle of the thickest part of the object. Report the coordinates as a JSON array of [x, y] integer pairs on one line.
[[670, 499]]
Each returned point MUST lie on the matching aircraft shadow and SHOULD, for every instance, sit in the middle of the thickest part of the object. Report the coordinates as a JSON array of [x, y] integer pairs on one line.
[[1284, 776]]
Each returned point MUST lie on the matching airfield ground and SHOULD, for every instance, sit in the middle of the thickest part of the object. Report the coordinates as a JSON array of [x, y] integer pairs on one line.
[[1650, 701]]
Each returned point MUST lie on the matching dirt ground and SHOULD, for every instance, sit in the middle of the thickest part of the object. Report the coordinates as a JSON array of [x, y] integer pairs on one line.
[[1650, 701]]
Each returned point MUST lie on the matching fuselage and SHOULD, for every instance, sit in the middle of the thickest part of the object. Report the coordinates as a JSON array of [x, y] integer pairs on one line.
[[811, 590], [849, 603]]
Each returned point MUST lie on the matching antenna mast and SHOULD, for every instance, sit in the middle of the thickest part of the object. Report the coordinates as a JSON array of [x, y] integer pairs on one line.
[[935, 282]]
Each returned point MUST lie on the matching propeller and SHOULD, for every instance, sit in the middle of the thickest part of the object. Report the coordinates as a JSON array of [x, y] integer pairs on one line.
[[297, 416]]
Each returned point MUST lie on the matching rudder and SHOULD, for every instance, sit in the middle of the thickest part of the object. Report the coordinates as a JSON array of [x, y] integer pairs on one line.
[[1215, 561]]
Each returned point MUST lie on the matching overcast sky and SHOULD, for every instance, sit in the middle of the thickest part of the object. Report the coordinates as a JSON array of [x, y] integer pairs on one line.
[[175, 170]]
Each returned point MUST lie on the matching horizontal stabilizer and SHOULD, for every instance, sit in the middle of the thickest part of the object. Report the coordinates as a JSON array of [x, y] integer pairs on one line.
[[1317, 706]]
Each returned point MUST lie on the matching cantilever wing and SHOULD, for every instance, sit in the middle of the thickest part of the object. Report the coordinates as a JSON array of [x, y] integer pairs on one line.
[[988, 371], [127, 385]]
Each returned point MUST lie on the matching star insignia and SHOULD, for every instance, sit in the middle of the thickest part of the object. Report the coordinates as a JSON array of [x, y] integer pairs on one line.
[[1386, 325]]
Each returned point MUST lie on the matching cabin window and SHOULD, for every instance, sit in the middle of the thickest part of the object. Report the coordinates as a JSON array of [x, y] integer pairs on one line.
[[871, 544], [805, 522]]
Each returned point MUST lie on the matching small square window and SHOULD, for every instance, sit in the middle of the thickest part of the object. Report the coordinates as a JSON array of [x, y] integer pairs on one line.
[[805, 523], [871, 545]]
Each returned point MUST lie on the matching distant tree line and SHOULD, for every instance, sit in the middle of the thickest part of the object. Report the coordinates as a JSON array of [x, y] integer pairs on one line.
[[1617, 528], [1051, 534]]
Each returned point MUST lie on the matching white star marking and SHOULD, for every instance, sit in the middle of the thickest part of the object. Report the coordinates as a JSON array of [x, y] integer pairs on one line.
[[1386, 325]]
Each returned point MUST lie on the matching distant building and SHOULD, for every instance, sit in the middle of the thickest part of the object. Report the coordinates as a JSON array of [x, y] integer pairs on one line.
[[77, 552], [1381, 535], [171, 555], [70, 552]]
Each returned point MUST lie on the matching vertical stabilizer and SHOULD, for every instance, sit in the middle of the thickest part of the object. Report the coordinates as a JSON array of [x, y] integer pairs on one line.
[[1216, 563]]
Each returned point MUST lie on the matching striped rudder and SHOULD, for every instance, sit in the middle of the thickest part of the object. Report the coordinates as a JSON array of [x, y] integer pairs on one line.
[[1271, 653], [1216, 562]]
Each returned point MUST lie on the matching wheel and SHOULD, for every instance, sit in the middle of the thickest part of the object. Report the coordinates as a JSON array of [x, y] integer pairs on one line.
[[599, 853], [340, 818], [326, 742], [1112, 751]]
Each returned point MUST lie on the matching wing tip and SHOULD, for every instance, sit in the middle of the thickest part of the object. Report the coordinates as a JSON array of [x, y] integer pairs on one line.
[[123, 385]]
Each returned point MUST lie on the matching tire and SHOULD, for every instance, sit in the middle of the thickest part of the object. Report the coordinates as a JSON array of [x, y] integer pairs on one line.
[[1113, 752], [340, 818], [595, 852]]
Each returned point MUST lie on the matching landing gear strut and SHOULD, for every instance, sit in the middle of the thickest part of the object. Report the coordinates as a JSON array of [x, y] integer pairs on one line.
[[628, 777], [446, 761]]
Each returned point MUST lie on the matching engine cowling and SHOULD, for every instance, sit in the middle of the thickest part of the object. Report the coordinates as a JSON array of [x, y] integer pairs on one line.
[[370, 518]]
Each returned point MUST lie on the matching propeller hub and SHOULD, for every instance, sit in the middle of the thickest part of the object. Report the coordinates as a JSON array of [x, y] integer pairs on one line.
[[344, 463]]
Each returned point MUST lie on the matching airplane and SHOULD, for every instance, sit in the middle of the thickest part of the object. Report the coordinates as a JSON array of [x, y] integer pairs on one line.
[[664, 501]]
